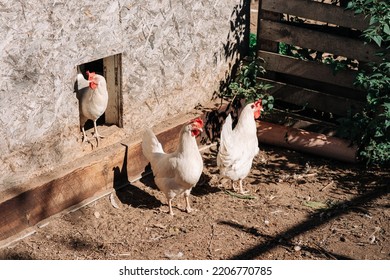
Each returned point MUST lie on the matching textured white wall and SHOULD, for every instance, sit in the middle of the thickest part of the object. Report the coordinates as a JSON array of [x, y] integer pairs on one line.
[[173, 58]]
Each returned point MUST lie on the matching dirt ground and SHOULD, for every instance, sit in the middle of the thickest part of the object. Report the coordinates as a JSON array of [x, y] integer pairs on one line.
[[299, 207]]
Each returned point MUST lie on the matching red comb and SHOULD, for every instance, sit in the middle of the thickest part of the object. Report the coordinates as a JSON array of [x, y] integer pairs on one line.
[[198, 121], [91, 75]]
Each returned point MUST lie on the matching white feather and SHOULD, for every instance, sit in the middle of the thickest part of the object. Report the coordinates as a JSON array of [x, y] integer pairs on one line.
[[174, 173], [238, 146]]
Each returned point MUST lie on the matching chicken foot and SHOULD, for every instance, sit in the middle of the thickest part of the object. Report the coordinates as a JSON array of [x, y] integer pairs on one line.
[[95, 135], [240, 189], [85, 138], [189, 209], [188, 206]]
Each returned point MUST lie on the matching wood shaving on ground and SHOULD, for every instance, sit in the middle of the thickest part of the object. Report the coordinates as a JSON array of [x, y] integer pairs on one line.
[[242, 196], [315, 204]]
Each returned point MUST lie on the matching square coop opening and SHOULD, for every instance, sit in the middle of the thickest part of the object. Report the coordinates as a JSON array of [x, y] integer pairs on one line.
[[111, 68]]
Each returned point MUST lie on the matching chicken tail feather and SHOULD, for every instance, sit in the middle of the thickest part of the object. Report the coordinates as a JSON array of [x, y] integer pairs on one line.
[[81, 82], [227, 131], [150, 144]]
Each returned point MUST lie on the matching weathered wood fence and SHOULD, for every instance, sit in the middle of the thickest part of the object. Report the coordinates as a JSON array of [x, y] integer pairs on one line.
[[324, 29]]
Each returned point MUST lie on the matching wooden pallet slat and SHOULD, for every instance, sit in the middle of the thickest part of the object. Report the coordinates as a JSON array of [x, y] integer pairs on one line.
[[307, 69], [330, 29], [313, 99], [317, 11], [316, 40]]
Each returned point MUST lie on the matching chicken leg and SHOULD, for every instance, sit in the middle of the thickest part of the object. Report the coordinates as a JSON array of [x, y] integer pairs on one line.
[[188, 206], [187, 198], [96, 134], [85, 138], [170, 207], [240, 189]]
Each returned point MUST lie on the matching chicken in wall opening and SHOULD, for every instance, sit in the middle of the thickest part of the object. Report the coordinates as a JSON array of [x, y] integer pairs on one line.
[[106, 108], [97, 67]]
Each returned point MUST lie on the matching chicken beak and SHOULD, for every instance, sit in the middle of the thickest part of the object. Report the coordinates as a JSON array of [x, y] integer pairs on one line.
[[93, 85]]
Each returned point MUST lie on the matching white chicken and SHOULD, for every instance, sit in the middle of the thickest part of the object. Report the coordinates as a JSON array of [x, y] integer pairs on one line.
[[239, 146], [93, 99], [178, 172]]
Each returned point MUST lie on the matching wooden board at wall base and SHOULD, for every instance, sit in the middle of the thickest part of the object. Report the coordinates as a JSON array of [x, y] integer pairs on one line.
[[105, 170]]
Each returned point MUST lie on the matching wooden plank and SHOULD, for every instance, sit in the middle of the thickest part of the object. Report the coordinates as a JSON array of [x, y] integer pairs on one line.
[[307, 69], [264, 44], [316, 40], [318, 11], [112, 72], [101, 171], [350, 93], [313, 99]]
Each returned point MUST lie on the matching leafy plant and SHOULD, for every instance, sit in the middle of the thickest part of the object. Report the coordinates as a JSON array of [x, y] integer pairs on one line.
[[246, 85], [378, 11], [371, 128]]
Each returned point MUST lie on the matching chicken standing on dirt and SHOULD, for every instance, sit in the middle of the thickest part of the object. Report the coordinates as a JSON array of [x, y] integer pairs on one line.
[[178, 172], [93, 99], [239, 146]]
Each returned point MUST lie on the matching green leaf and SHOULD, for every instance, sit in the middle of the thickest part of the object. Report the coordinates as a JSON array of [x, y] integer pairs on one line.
[[386, 29], [373, 20], [378, 133], [350, 5], [377, 39], [358, 11]]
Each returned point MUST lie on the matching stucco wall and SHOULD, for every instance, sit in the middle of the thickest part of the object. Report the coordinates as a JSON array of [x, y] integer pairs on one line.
[[174, 55]]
